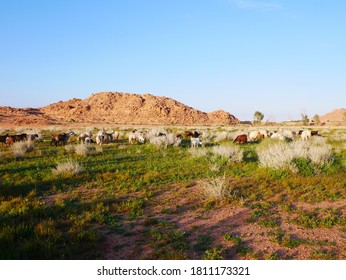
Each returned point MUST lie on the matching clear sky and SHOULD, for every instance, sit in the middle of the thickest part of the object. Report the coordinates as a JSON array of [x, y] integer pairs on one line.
[[281, 57]]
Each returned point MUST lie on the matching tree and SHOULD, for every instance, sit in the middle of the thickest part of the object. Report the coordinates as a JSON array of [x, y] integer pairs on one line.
[[305, 119], [258, 117], [316, 119]]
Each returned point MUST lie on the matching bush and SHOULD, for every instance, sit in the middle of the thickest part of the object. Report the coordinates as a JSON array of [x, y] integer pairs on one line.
[[19, 149], [197, 153], [215, 189], [164, 141], [69, 167], [299, 156], [82, 149], [230, 152]]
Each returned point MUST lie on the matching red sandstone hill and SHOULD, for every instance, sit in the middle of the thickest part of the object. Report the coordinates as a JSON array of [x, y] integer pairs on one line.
[[118, 108], [337, 115]]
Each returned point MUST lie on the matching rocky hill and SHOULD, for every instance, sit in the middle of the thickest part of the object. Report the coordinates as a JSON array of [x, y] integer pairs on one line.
[[120, 108], [336, 115]]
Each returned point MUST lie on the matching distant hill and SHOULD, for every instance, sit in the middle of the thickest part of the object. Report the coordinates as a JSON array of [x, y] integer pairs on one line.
[[336, 115], [120, 108]]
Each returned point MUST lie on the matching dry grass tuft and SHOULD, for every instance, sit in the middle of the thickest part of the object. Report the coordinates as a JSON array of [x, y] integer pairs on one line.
[[69, 167], [230, 152], [19, 149], [215, 188]]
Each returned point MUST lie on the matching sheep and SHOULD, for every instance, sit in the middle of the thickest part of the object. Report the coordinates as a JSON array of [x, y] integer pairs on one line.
[[83, 136], [110, 136], [254, 135], [136, 136], [264, 133], [277, 135], [100, 137], [306, 134], [288, 134]]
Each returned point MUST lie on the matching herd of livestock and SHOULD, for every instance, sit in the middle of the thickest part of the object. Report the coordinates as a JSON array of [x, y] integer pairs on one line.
[[138, 136]]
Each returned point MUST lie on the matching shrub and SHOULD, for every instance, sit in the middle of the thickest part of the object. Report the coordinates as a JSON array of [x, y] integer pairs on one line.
[[82, 149], [296, 155], [197, 153], [230, 152], [69, 148], [164, 141], [19, 149], [223, 135], [215, 188], [69, 167]]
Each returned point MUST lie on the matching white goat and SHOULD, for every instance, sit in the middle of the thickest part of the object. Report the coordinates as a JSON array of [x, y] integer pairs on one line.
[[195, 142]]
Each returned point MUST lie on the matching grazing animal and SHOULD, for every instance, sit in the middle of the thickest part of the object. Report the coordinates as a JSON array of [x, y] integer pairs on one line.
[[19, 137], [288, 134], [277, 135], [241, 139], [188, 134], [88, 140], [136, 136], [254, 136], [314, 133], [100, 137], [9, 140], [110, 136], [263, 133], [3, 138], [306, 134], [83, 136], [195, 142], [196, 134], [61, 138]]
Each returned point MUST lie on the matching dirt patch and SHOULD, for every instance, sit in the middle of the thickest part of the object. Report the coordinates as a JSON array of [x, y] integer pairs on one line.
[[227, 226]]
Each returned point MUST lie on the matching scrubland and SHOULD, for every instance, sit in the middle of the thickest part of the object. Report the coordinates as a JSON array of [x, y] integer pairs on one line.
[[270, 199]]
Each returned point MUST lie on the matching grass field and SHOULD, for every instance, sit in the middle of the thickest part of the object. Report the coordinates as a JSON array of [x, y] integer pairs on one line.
[[149, 201]]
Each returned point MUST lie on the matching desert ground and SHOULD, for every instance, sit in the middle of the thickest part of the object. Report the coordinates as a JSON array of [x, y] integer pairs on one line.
[[163, 199]]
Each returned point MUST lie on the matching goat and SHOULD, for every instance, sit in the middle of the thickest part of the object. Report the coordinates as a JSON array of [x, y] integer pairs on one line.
[[9, 140], [3, 138], [19, 137], [61, 138], [241, 139], [195, 142]]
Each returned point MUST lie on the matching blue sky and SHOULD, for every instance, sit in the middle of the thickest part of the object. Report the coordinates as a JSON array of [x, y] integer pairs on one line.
[[281, 57]]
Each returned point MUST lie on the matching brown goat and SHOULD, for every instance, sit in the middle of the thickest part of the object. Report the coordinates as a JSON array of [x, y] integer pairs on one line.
[[241, 139]]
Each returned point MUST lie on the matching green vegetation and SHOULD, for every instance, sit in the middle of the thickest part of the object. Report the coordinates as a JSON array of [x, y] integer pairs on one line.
[[72, 202]]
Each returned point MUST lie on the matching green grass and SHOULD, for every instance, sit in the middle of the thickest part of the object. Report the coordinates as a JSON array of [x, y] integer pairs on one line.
[[44, 215]]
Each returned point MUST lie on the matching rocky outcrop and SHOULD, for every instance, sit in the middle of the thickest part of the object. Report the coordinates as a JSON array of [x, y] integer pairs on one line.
[[337, 115], [134, 109]]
